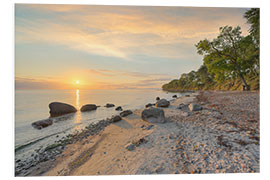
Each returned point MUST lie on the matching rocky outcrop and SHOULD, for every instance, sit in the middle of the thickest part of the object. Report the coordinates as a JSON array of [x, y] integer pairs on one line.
[[42, 123], [108, 105], [153, 115], [119, 108], [174, 96], [162, 103], [88, 107], [194, 107], [58, 109], [125, 113]]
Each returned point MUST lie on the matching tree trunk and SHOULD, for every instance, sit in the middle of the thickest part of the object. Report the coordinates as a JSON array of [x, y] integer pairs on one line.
[[246, 86]]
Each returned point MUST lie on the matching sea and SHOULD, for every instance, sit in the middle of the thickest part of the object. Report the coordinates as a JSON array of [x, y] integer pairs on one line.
[[32, 105]]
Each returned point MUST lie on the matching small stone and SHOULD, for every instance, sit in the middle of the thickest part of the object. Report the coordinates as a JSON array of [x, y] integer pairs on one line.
[[108, 105], [125, 113], [119, 108], [116, 118], [194, 107], [149, 127], [130, 147], [149, 105]]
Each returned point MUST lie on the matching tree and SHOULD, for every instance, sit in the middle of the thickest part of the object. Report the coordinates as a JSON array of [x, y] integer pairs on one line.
[[253, 18], [226, 56]]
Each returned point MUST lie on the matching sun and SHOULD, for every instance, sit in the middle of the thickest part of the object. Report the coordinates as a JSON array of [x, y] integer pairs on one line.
[[77, 82]]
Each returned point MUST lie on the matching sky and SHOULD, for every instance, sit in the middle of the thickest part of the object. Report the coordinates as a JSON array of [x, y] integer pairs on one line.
[[112, 47]]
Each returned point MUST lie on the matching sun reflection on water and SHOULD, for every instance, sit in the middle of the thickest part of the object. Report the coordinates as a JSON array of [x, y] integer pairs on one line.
[[78, 117], [78, 98]]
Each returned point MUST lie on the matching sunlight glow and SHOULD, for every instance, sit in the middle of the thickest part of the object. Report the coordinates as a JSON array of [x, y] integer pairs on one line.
[[77, 82]]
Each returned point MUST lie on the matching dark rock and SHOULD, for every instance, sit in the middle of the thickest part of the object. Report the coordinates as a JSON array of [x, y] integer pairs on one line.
[[88, 107], [42, 123], [130, 147], [157, 98], [149, 127], [58, 109], [116, 118], [174, 96], [187, 95], [194, 107], [162, 103], [153, 115], [125, 113], [119, 108], [149, 105], [183, 106], [109, 105]]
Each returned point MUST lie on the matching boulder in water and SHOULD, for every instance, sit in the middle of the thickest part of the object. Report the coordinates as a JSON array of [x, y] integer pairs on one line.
[[88, 107], [157, 98], [119, 108], [42, 123], [58, 109], [109, 105], [174, 96], [153, 115]]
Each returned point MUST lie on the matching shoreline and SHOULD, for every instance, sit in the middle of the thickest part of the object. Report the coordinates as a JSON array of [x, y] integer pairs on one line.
[[175, 143]]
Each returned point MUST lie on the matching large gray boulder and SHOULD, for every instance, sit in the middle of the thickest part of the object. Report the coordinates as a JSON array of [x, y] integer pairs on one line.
[[194, 107], [125, 113], [58, 109], [42, 123], [153, 115], [162, 103], [88, 107]]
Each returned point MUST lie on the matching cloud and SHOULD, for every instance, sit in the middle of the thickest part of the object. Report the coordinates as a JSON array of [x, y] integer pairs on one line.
[[35, 83], [122, 31], [109, 73]]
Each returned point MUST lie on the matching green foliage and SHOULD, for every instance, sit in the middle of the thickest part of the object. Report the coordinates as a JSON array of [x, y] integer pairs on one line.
[[229, 60], [253, 18]]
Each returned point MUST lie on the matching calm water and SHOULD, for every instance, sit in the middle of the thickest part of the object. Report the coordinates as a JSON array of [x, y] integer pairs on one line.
[[32, 105]]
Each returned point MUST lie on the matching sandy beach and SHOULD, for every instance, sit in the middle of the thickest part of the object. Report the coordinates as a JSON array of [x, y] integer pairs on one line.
[[223, 137]]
